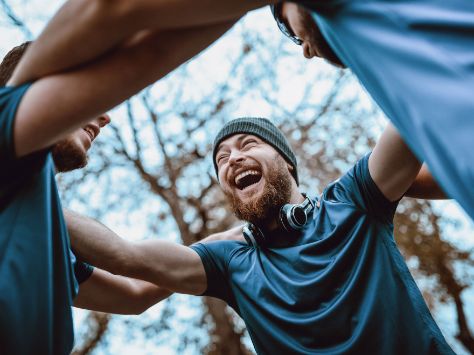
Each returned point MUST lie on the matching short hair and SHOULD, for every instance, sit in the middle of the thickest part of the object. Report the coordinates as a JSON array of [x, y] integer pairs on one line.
[[10, 61]]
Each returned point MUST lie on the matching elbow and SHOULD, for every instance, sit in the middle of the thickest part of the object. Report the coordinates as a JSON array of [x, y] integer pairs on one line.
[[141, 309]]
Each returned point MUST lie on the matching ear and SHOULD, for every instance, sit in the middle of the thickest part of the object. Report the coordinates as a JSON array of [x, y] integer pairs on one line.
[[290, 167]]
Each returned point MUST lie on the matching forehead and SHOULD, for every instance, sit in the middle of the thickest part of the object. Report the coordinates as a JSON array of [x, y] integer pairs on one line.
[[235, 140]]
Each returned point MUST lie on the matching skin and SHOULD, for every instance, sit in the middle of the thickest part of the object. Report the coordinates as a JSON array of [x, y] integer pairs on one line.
[[71, 152], [301, 23]]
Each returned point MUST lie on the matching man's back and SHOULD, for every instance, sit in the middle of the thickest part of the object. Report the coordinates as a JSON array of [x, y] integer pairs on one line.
[[340, 287]]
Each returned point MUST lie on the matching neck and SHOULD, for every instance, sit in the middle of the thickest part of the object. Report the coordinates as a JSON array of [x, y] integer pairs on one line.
[[273, 224]]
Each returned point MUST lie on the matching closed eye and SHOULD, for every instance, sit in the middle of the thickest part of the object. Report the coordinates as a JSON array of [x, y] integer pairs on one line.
[[248, 143], [221, 159]]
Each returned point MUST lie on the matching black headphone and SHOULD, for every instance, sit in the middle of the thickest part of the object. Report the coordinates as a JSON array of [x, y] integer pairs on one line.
[[292, 217]]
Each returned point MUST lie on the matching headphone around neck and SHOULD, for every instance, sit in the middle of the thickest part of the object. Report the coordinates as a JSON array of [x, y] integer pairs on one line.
[[292, 217]]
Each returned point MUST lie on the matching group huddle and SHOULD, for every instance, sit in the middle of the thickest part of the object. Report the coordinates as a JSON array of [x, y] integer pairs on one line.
[[308, 272]]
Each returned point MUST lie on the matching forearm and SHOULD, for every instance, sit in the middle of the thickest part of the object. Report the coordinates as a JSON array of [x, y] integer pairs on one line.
[[105, 292], [96, 244], [104, 25], [166, 264], [425, 186], [57, 105]]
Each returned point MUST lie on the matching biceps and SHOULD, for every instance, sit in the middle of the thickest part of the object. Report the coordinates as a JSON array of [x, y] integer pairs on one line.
[[392, 165]]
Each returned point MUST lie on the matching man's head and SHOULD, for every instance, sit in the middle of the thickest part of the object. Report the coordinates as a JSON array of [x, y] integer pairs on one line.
[[71, 152], [256, 168], [298, 24]]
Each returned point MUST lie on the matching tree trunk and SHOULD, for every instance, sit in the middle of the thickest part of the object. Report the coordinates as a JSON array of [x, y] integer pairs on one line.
[[224, 339], [98, 323]]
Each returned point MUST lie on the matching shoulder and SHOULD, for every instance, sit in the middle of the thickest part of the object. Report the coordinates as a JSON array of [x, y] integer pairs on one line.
[[10, 98], [218, 248]]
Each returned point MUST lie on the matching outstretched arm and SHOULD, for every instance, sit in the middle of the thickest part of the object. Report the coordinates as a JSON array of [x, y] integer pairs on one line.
[[105, 292], [56, 105], [392, 165], [82, 31], [169, 265]]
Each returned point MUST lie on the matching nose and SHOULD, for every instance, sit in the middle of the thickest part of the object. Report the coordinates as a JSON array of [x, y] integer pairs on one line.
[[235, 157], [104, 120], [307, 50]]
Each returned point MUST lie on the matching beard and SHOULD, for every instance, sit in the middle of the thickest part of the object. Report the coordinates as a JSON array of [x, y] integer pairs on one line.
[[68, 156], [276, 192]]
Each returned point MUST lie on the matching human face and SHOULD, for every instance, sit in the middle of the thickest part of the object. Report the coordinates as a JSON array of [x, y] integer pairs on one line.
[[302, 24], [71, 152], [254, 177]]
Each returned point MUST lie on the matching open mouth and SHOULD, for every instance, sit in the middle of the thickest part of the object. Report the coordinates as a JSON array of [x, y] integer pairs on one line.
[[247, 178]]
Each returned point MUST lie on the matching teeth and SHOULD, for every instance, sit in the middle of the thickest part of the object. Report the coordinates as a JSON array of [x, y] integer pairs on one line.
[[244, 174]]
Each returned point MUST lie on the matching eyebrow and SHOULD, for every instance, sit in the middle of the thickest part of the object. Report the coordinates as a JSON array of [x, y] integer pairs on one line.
[[239, 139]]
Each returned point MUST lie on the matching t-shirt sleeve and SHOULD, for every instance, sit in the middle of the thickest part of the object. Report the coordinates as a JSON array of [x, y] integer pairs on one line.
[[82, 270], [14, 169], [357, 188], [215, 257]]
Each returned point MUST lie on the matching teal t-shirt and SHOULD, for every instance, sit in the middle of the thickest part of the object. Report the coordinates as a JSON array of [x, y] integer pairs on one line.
[[340, 287], [39, 275], [416, 59]]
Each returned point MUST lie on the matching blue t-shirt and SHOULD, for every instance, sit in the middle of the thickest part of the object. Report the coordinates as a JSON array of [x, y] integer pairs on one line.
[[340, 287], [39, 274], [416, 59]]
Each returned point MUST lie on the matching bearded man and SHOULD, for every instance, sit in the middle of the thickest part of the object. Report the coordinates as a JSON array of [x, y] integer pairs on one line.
[[40, 277], [317, 274]]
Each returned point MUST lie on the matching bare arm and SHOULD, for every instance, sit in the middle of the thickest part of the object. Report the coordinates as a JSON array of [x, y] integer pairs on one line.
[[166, 264], [105, 292], [392, 165], [58, 104], [425, 187], [104, 25]]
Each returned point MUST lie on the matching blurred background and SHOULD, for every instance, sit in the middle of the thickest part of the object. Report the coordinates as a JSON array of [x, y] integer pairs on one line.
[[150, 175]]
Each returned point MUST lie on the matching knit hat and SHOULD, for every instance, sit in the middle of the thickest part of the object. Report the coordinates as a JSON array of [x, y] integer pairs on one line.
[[262, 128]]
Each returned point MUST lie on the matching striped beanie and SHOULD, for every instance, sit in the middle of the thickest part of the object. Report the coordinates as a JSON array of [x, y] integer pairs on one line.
[[262, 128]]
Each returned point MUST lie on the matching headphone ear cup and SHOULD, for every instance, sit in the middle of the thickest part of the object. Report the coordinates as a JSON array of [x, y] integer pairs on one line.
[[295, 216]]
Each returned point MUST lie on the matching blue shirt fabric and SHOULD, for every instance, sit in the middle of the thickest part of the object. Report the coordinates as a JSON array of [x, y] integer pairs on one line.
[[37, 268], [340, 287], [416, 59]]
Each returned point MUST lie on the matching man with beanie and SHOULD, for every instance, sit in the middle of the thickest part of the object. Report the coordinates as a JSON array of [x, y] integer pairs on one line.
[[315, 274]]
